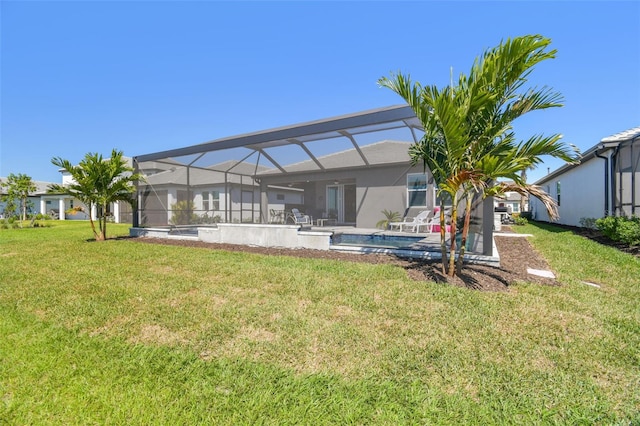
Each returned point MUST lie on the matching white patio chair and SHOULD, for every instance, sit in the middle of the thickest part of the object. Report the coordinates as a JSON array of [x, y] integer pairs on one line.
[[434, 221], [411, 222], [299, 218]]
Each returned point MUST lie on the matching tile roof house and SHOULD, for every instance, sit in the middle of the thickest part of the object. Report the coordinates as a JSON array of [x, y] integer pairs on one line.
[[605, 182]]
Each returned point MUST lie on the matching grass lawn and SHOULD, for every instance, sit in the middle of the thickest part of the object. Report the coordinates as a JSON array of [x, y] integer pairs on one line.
[[123, 332]]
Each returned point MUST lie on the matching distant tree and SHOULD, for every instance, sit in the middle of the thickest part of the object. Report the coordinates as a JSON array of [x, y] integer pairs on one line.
[[99, 182], [18, 188]]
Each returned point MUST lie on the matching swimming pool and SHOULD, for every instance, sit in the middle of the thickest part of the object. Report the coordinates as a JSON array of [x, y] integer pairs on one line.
[[375, 240]]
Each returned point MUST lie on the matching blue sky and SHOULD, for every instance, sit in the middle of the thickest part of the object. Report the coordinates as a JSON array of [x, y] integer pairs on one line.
[[146, 76]]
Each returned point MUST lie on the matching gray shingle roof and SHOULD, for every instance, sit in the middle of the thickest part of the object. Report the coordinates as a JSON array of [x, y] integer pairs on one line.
[[378, 153]]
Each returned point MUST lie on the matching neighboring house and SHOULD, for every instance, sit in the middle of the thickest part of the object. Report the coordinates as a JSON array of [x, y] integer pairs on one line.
[[512, 201], [606, 182], [65, 207], [35, 205]]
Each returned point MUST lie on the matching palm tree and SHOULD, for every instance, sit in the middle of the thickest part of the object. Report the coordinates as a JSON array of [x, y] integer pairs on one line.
[[389, 217], [99, 182], [469, 141]]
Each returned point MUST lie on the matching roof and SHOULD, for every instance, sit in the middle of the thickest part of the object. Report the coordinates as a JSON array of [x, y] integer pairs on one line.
[[387, 118], [212, 175], [605, 144], [378, 153], [41, 186], [623, 136]]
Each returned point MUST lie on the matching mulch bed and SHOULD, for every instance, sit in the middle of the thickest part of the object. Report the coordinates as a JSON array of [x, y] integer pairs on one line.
[[516, 255]]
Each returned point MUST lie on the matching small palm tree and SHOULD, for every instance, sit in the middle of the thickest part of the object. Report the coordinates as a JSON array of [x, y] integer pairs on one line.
[[99, 182], [469, 141], [389, 217]]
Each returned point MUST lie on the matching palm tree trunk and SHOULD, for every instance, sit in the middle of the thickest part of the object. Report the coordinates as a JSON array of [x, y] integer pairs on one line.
[[443, 237], [102, 220], [93, 225], [452, 248], [465, 233]]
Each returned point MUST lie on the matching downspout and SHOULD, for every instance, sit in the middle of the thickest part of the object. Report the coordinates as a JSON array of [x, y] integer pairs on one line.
[[614, 159], [606, 180]]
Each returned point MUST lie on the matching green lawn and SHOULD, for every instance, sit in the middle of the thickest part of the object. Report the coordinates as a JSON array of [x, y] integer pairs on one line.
[[123, 332]]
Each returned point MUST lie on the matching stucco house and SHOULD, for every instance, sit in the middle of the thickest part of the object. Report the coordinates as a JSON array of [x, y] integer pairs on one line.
[[345, 169], [605, 182], [348, 168]]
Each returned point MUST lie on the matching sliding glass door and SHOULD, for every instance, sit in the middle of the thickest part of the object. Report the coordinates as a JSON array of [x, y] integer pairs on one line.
[[341, 203]]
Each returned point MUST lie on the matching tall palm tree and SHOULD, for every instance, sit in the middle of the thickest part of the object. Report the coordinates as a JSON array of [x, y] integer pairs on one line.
[[469, 142], [98, 182]]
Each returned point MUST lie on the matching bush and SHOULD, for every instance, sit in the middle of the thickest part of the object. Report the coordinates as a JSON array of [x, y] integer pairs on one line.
[[621, 228], [520, 220], [183, 213]]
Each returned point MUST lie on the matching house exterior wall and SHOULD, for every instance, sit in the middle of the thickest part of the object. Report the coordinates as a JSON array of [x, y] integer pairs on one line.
[[582, 193], [386, 189], [377, 188]]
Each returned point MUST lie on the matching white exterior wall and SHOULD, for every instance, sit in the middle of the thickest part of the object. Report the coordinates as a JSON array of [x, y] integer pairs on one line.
[[582, 194]]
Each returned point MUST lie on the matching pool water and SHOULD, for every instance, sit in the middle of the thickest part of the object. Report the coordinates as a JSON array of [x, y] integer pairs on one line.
[[368, 240]]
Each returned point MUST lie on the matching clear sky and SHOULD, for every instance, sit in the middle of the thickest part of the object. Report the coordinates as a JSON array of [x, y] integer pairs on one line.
[[146, 76]]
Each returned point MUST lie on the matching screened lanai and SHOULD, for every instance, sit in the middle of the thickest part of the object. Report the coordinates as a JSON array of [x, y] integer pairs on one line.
[[328, 168]]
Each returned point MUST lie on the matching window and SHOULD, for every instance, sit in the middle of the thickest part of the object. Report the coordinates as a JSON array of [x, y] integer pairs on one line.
[[280, 197], [558, 191], [417, 189], [216, 200], [205, 200]]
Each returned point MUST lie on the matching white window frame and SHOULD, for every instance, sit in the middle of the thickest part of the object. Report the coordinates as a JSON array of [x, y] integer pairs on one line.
[[411, 189]]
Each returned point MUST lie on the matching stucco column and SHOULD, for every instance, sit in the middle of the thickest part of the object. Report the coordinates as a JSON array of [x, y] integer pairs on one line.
[[264, 203], [116, 212], [61, 208], [43, 206], [487, 227], [94, 212]]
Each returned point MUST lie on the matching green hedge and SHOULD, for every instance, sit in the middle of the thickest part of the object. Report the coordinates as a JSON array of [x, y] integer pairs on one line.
[[621, 228]]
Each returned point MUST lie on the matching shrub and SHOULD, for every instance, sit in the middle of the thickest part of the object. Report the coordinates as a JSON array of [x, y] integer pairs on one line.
[[621, 228], [520, 220], [389, 216], [183, 213]]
